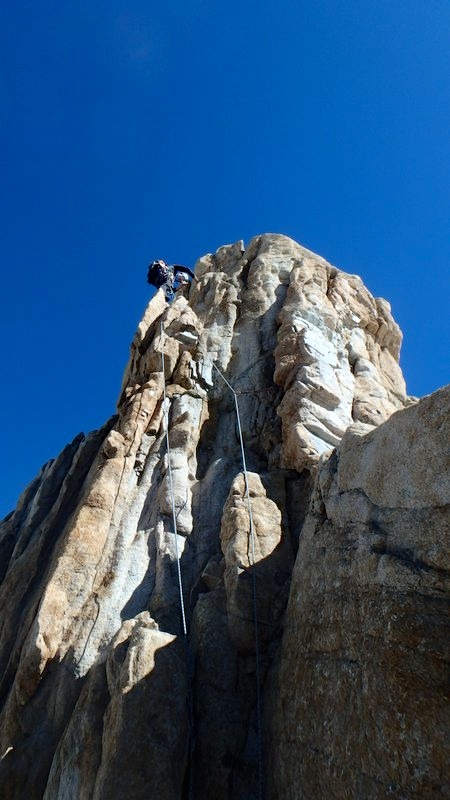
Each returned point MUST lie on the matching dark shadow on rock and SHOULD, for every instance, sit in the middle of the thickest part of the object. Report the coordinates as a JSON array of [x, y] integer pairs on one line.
[[39, 725], [109, 739], [146, 724], [223, 644]]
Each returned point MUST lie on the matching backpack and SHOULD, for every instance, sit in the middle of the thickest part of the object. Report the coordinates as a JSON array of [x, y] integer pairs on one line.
[[157, 274]]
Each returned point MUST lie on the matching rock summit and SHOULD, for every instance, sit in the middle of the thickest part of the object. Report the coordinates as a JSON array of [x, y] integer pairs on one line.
[[309, 655]]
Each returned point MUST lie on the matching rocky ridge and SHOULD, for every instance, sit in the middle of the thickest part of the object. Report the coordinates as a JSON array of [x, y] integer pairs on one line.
[[102, 695]]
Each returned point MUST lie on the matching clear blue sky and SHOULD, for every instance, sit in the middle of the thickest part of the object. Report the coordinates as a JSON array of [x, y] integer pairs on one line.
[[139, 130]]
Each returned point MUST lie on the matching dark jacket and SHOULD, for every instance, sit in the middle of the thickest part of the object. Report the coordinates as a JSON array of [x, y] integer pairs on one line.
[[161, 273], [158, 274]]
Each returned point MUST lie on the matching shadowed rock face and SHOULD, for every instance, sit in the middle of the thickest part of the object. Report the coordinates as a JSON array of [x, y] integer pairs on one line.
[[102, 695], [363, 687]]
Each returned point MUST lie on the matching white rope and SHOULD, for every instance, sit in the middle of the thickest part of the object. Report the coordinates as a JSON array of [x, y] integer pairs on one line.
[[253, 558], [254, 593], [174, 514]]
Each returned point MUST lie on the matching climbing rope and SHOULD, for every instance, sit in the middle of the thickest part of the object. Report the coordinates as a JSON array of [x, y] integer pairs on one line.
[[253, 557], [189, 660], [169, 470], [254, 592]]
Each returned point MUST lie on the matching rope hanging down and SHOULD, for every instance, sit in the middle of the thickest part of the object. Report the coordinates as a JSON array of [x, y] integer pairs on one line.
[[169, 470], [254, 593], [252, 546]]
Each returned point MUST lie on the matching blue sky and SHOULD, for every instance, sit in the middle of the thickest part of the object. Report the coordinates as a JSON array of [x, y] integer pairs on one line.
[[139, 130]]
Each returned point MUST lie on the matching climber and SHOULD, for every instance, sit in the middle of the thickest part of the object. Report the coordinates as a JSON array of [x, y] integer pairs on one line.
[[170, 278]]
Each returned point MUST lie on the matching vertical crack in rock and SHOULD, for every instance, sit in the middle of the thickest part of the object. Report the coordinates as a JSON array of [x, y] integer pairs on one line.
[[101, 696]]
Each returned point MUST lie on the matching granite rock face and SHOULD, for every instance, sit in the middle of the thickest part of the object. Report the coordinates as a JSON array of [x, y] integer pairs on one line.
[[363, 688], [102, 693]]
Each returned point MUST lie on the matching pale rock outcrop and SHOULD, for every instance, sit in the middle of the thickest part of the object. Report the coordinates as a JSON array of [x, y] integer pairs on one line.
[[336, 358], [101, 693], [268, 560]]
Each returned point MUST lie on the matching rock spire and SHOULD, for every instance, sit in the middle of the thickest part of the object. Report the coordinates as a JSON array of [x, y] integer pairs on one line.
[[102, 696]]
